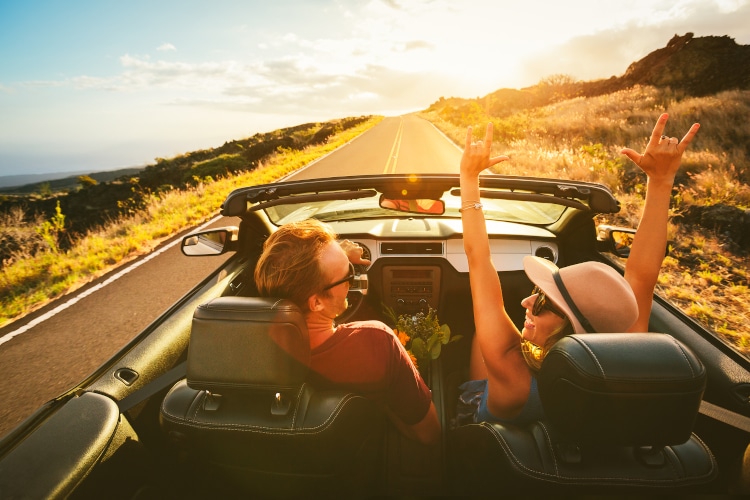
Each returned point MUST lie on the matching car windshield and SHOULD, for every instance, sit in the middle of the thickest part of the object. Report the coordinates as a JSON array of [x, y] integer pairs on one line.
[[526, 212]]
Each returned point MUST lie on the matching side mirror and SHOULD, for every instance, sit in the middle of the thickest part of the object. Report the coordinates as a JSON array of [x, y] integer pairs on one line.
[[210, 242], [421, 206], [616, 240]]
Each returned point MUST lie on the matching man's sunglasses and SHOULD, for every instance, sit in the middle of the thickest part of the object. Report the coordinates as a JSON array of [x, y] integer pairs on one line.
[[542, 303], [349, 277]]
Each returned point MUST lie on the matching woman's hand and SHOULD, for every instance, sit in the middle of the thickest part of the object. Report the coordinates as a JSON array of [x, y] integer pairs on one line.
[[476, 157], [660, 162], [663, 154]]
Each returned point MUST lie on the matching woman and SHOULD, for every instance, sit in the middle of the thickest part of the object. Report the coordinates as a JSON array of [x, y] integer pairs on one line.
[[584, 298]]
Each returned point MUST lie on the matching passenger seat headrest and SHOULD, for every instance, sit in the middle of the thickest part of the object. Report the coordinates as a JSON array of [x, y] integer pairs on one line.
[[632, 389], [248, 344]]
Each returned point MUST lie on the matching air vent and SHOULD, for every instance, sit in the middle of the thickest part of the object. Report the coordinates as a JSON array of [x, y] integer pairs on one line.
[[412, 248], [546, 253]]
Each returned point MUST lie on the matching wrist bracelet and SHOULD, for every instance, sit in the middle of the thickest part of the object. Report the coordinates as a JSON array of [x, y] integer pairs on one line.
[[471, 204]]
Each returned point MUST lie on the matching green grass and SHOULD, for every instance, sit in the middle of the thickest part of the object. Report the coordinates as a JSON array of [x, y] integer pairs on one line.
[[29, 283]]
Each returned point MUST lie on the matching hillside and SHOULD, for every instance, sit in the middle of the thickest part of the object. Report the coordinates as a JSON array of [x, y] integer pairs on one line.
[[687, 65], [702, 79], [558, 128], [88, 202], [561, 128]]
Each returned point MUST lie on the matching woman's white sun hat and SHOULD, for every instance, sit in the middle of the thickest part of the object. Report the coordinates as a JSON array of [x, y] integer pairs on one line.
[[594, 297]]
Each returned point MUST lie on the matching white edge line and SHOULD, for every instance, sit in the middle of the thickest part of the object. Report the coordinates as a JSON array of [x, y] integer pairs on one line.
[[486, 171], [44, 317], [443, 134], [316, 160]]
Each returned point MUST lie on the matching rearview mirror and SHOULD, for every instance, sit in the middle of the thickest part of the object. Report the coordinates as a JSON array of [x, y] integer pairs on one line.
[[210, 242], [421, 206]]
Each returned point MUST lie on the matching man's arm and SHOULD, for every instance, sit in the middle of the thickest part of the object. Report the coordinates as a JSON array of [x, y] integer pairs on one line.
[[354, 252], [426, 431]]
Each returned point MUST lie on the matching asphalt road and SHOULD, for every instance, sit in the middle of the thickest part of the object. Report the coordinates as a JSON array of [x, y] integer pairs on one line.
[[51, 350]]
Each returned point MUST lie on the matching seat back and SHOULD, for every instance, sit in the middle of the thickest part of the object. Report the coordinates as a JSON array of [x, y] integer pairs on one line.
[[246, 415], [621, 389], [248, 344], [619, 412]]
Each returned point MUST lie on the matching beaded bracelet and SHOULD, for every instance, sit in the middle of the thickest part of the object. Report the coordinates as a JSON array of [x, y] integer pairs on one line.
[[469, 205]]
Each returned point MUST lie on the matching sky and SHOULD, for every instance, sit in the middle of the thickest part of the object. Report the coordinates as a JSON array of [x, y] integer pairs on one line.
[[91, 85]]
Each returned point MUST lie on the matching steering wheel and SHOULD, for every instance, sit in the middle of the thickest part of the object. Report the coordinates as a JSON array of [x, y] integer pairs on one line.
[[355, 299], [356, 295]]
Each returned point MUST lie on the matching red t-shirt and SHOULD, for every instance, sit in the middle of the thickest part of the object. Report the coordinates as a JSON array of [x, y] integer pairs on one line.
[[367, 357]]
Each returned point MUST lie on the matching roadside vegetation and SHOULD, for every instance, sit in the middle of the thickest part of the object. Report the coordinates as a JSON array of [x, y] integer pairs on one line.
[[43, 258], [706, 272], [52, 243]]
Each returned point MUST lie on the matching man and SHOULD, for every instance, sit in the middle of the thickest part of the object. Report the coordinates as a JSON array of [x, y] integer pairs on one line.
[[305, 263]]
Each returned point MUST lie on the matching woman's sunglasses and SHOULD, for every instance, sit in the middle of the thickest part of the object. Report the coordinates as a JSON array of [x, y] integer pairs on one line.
[[542, 303], [349, 277]]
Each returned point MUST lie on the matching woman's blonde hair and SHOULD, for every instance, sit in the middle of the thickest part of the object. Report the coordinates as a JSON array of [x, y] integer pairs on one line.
[[534, 355], [289, 266]]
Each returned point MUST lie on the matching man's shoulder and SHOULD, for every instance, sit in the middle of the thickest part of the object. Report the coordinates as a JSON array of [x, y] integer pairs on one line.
[[375, 334], [366, 326], [368, 336]]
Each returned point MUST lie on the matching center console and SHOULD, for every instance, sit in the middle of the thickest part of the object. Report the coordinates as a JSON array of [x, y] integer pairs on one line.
[[411, 289]]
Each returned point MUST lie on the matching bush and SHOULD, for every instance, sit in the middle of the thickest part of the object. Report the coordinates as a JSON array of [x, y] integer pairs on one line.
[[19, 237]]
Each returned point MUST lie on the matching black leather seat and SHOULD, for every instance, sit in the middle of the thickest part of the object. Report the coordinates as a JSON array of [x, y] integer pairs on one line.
[[619, 413], [247, 419]]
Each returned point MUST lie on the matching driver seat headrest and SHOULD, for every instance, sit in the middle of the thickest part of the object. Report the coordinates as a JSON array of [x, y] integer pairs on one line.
[[248, 420], [241, 344]]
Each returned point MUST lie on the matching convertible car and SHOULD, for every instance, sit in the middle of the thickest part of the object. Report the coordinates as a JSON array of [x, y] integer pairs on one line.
[[212, 399]]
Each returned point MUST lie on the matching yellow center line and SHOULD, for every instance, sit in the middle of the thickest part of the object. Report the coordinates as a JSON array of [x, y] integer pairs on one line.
[[390, 165]]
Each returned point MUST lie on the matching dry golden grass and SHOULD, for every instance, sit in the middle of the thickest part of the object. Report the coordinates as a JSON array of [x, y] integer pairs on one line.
[[28, 283], [581, 139]]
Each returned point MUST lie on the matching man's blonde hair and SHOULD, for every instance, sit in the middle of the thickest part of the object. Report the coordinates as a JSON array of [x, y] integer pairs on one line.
[[289, 266]]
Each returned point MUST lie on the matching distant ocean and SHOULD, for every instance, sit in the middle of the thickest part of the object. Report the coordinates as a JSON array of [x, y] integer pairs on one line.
[[30, 182]]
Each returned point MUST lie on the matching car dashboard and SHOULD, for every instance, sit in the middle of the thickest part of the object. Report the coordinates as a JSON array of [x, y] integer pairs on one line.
[[413, 261]]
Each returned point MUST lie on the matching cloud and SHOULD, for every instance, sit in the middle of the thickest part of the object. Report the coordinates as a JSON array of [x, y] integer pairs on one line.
[[371, 70], [417, 45], [143, 74], [372, 89], [392, 4], [609, 53]]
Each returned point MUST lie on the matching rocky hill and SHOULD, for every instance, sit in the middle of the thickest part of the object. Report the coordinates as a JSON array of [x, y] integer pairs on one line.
[[694, 66], [698, 66]]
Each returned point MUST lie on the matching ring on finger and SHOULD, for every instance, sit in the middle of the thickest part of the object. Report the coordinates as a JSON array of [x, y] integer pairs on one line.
[[664, 137]]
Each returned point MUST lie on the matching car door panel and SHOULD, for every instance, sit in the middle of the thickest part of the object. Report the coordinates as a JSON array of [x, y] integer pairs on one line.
[[53, 460]]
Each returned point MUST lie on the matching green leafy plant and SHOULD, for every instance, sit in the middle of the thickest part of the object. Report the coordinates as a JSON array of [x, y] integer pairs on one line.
[[50, 230], [421, 334]]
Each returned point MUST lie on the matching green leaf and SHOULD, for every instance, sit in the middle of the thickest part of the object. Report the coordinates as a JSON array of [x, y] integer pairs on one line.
[[446, 333], [419, 349], [390, 313], [435, 351], [434, 339], [456, 337]]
